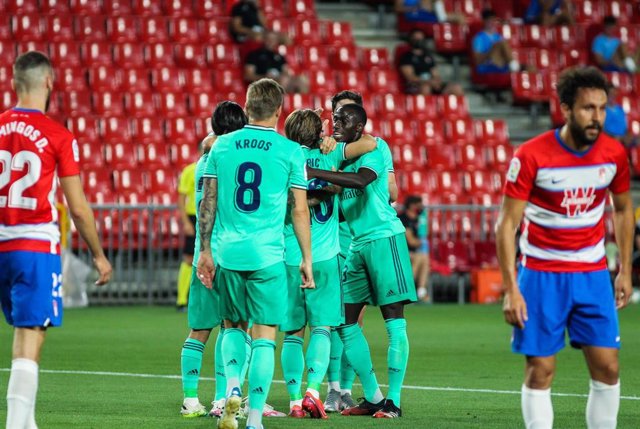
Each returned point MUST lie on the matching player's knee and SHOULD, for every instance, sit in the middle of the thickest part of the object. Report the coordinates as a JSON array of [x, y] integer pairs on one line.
[[539, 374], [607, 373], [201, 335], [393, 311]]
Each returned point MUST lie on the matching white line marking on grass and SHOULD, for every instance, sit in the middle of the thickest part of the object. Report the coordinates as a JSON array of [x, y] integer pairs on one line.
[[409, 387]]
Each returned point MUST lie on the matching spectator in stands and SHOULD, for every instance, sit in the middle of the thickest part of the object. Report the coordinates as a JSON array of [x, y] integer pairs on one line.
[[615, 123], [249, 24], [266, 61], [549, 12], [426, 11], [492, 53], [419, 71], [414, 220], [609, 51]]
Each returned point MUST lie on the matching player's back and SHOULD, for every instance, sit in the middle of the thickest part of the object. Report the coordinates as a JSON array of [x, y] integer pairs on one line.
[[255, 167], [34, 150]]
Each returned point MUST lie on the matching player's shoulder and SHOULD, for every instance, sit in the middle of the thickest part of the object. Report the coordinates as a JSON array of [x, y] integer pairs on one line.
[[538, 145], [611, 145]]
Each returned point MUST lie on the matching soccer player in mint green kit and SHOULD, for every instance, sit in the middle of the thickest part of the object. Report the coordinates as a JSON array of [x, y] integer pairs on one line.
[[248, 178], [321, 308], [378, 269], [340, 374], [203, 314]]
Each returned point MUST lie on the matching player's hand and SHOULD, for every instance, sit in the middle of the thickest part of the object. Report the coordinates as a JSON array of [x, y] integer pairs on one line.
[[306, 274], [319, 112], [206, 269], [103, 266], [328, 144], [514, 308], [623, 290]]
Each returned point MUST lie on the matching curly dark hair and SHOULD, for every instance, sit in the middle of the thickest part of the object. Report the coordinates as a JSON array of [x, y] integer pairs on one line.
[[228, 117], [346, 95], [573, 79]]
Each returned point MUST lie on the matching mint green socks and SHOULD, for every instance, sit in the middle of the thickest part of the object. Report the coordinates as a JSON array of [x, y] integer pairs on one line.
[[347, 374], [260, 378], [234, 356], [191, 363], [397, 356], [335, 358], [318, 353], [292, 360], [357, 349], [221, 379], [247, 360]]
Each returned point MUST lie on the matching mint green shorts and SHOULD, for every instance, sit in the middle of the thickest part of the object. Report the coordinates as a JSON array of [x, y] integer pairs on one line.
[[258, 296], [322, 306], [379, 273], [203, 309]]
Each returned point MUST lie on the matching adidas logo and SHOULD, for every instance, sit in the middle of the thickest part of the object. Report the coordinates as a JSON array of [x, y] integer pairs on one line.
[[193, 372], [257, 390], [221, 374], [396, 370], [232, 362], [373, 371], [390, 293], [311, 371], [291, 382]]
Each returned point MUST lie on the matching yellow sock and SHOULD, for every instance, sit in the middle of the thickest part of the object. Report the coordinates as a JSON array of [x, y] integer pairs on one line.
[[184, 279]]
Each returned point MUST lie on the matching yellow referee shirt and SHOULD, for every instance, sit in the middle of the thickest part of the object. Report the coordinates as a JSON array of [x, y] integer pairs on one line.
[[187, 186]]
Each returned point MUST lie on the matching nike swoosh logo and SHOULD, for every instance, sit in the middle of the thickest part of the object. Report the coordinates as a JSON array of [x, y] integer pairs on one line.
[[554, 181]]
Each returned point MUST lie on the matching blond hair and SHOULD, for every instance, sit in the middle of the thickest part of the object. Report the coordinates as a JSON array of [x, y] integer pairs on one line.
[[303, 126], [264, 97]]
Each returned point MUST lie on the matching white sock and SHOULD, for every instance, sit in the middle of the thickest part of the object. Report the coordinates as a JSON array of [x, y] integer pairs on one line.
[[602, 405], [254, 418], [297, 402], [31, 423], [537, 410], [190, 402], [334, 385], [630, 64], [514, 66], [313, 392], [378, 396], [21, 393]]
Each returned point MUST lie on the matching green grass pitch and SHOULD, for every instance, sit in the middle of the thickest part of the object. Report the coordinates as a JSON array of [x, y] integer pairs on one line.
[[465, 348]]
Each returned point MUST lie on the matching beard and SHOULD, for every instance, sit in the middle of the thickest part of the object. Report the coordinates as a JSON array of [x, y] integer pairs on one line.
[[579, 134]]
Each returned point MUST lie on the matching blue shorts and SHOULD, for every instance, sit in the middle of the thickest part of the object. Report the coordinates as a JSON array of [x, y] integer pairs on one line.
[[31, 289], [580, 303], [491, 68]]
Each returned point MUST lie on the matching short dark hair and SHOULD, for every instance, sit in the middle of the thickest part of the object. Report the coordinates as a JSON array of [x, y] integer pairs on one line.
[[488, 14], [571, 80], [25, 63], [346, 95], [304, 127], [609, 20], [357, 111], [264, 97], [411, 200], [227, 117]]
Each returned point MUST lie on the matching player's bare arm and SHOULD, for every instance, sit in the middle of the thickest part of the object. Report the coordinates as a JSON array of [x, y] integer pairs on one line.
[[207, 218], [358, 180], [301, 220], [82, 216], [514, 307], [624, 225], [364, 144]]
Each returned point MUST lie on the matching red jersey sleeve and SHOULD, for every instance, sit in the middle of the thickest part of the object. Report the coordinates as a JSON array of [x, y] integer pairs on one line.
[[622, 180], [521, 175], [68, 155]]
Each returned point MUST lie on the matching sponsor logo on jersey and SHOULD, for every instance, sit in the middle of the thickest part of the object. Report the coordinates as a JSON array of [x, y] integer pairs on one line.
[[577, 201]]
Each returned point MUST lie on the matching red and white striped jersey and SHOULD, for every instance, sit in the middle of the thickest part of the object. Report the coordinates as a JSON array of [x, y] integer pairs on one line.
[[566, 194], [34, 150]]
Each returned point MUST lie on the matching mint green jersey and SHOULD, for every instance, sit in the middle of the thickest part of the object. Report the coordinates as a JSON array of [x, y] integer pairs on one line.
[[345, 232], [367, 211], [255, 167], [324, 216], [200, 165]]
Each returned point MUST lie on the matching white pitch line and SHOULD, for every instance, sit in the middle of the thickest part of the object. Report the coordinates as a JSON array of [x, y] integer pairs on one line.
[[409, 387]]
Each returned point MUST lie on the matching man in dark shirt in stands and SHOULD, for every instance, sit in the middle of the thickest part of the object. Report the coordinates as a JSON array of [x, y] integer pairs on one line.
[[266, 61], [419, 71], [417, 242], [247, 21]]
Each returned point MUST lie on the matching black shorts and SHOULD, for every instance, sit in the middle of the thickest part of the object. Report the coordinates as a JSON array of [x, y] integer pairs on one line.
[[190, 240]]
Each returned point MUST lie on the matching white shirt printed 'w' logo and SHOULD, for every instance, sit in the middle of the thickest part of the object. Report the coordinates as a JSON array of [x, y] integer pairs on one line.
[[577, 201]]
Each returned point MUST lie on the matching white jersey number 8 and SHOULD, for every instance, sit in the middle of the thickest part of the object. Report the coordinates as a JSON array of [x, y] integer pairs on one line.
[[21, 160]]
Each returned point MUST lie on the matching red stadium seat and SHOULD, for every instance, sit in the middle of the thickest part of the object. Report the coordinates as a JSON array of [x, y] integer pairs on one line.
[[478, 181], [147, 130], [215, 31], [499, 155], [564, 37], [536, 36], [344, 58], [166, 79], [97, 54], [120, 155], [85, 7], [58, 28], [374, 57], [115, 130], [589, 11], [107, 103], [71, 79], [622, 10], [31, 45], [409, 157], [459, 131], [139, 104], [122, 29], [163, 180], [104, 78], [221, 53], [622, 81], [228, 80], [5, 27], [471, 9], [422, 107], [491, 131], [450, 38], [6, 74], [544, 59], [27, 27], [283, 25], [184, 130], [183, 154], [91, 156], [383, 81], [484, 254], [208, 9], [314, 57], [529, 87], [446, 181], [337, 33], [301, 9], [471, 157], [76, 103], [154, 29], [128, 55], [20, 6], [430, 133], [64, 54], [392, 105], [90, 28], [159, 54], [453, 106], [163, 198], [323, 82], [8, 52], [511, 33], [97, 178], [355, 80], [129, 180], [117, 7], [557, 118], [135, 80], [85, 129], [298, 101], [196, 80], [153, 156], [454, 254], [308, 32], [146, 7], [189, 55], [177, 8], [7, 99], [442, 157], [400, 131], [572, 57], [171, 104], [184, 30], [201, 105]]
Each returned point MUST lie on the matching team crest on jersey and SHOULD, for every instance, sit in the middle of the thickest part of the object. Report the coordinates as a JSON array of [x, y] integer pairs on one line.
[[577, 201], [76, 150], [602, 175], [514, 170]]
